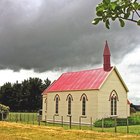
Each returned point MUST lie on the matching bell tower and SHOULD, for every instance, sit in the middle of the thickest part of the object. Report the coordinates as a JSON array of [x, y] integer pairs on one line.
[[106, 55]]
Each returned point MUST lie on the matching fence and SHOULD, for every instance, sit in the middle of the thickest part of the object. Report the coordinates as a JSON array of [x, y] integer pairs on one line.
[[125, 125]]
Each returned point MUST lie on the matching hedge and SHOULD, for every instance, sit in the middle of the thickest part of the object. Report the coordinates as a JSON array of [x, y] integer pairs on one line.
[[109, 122]]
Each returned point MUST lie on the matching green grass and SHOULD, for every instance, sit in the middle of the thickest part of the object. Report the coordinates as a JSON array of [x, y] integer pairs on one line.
[[31, 118]]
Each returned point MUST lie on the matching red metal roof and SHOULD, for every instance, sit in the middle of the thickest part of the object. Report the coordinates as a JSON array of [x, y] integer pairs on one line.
[[81, 80]]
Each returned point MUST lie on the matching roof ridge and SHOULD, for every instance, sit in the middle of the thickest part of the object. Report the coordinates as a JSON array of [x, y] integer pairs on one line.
[[82, 70]]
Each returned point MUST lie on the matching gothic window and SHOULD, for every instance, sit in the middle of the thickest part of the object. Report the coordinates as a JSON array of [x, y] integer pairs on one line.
[[46, 104], [113, 100], [84, 106], [69, 106], [69, 99], [84, 100], [57, 99]]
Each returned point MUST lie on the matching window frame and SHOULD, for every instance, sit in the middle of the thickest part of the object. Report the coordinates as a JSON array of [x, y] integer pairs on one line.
[[56, 99], [69, 99], [113, 103], [84, 99]]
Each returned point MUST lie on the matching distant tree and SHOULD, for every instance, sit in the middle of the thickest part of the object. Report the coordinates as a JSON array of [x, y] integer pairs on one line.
[[46, 84], [16, 96], [6, 92], [25, 96], [31, 98], [123, 10]]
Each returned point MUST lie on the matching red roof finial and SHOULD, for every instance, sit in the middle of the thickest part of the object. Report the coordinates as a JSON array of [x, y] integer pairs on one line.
[[106, 65], [106, 49]]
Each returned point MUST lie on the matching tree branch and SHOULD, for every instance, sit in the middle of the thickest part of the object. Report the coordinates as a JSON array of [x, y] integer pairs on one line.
[[128, 19]]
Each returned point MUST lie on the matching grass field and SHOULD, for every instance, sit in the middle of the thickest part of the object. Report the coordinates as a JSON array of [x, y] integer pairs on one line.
[[18, 131], [31, 118]]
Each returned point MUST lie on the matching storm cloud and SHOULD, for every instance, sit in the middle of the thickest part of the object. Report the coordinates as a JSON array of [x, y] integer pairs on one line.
[[50, 34]]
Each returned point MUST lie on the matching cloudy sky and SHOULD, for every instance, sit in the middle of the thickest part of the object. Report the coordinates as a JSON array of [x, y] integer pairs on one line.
[[43, 38]]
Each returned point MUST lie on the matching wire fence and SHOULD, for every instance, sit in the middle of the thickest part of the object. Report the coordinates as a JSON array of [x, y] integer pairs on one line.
[[125, 125]]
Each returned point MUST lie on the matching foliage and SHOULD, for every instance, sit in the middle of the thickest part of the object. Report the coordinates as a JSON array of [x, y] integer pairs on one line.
[[3, 111], [25, 96], [135, 120], [4, 108], [120, 10], [108, 122]]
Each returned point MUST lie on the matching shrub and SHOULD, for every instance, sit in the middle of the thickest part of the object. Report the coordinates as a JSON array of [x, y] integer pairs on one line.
[[3, 111], [108, 122], [135, 120]]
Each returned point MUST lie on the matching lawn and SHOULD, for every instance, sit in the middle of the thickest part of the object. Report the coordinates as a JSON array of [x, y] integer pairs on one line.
[[31, 118], [18, 131]]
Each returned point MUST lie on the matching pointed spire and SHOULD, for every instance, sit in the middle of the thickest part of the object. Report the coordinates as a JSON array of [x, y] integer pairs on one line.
[[106, 65], [106, 49]]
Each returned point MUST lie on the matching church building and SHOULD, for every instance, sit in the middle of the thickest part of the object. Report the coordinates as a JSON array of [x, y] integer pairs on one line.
[[87, 95]]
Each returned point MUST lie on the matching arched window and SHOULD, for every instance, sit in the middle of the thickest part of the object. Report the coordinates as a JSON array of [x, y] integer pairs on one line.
[[69, 106], [84, 106], [83, 99], [113, 99], [69, 99], [57, 99], [46, 104]]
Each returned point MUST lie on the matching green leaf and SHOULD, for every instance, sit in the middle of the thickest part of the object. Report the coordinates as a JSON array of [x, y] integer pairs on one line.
[[96, 21], [126, 15], [100, 7], [138, 22], [107, 23], [99, 13], [122, 23], [113, 5], [106, 1], [139, 7]]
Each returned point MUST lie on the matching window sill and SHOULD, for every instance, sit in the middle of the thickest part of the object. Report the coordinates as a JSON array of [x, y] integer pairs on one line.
[[56, 114], [69, 115], [83, 116], [113, 116]]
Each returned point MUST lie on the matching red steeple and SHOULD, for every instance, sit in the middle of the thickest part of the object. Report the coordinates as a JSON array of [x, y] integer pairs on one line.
[[107, 66]]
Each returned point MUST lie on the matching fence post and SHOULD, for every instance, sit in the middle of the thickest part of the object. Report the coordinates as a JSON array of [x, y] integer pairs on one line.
[[115, 120], [28, 118], [20, 117], [9, 119], [45, 120], [33, 118], [24, 117], [102, 124], [16, 118], [53, 119], [127, 121], [62, 121], [38, 119], [70, 121], [2, 115], [91, 122], [80, 122]]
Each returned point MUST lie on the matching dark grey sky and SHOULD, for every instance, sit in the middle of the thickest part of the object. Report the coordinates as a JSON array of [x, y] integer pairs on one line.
[[51, 34], [48, 37]]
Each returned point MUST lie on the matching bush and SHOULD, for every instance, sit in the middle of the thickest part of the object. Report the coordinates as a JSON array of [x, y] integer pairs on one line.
[[108, 122], [3, 111], [135, 120]]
